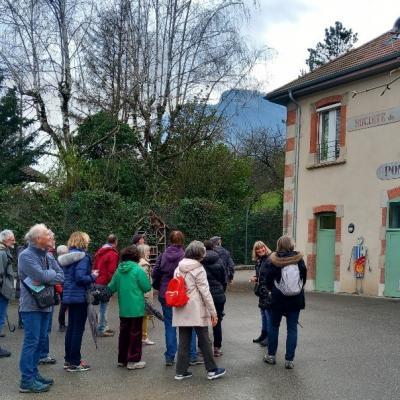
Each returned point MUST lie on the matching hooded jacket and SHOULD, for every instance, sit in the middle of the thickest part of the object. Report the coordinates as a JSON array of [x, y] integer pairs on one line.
[[131, 283], [200, 307], [215, 276], [77, 266], [165, 266], [6, 273], [279, 300], [106, 262]]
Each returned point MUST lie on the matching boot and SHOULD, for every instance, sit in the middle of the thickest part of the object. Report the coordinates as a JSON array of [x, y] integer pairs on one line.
[[262, 336]]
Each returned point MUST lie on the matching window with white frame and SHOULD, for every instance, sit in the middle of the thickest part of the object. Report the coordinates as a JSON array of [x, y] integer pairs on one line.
[[328, 132]]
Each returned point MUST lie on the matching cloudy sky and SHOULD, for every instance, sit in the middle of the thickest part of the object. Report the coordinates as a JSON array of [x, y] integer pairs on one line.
[[292, 26]]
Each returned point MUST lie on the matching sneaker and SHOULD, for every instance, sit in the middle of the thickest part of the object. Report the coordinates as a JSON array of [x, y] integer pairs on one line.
[[196, 361], [4, 353], [34, 387], [121, 365], [169, 363], [44, 381], [218, 352], [47, 360], [289, 364], [270, 359], [62, 328], [136, 365], [185, 375], [148, 342], [108, 330], [105, 334], [78, 368], [216, 373], [66, 365]]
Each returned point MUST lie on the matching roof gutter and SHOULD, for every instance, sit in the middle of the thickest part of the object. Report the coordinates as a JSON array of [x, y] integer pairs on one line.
[[358, 72], [296, 163]]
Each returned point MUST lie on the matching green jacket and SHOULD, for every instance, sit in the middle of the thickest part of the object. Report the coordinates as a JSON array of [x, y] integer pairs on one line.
[[131, 283]]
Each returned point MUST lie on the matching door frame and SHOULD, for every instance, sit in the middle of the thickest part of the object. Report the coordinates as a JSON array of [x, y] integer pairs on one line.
[[318, 218], [389, 230]]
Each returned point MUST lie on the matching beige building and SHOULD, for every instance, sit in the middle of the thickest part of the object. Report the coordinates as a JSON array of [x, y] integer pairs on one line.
[[342, 169]]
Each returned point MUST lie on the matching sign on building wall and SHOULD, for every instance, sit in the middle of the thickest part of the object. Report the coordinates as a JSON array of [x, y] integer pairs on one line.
[[389, 171], [374, 119]]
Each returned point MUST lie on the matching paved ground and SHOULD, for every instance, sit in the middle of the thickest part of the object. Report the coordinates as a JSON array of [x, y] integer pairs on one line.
[[348, 349]]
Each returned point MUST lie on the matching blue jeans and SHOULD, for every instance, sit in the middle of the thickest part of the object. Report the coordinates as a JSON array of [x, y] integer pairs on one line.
[[170, 334], [45, 344], [292, 319], [102, 317], [36, 325], [3, 311], [73, 338], [265, 320]]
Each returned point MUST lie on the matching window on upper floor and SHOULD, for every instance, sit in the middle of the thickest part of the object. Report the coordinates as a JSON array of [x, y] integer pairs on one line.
[[328, 148]]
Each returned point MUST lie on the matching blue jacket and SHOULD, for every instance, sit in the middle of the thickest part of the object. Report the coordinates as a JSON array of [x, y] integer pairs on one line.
[[77, 266], [40, 266]]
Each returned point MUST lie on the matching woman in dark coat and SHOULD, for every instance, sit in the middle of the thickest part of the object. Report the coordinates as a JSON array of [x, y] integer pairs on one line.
[[216, 280], [260, 255], [287, 288]]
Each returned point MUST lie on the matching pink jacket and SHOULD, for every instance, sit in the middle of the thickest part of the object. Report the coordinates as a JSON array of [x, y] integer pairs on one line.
[[200, 307]]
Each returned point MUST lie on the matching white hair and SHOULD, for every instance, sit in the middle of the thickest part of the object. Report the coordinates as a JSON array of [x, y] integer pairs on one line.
[[4, 235], [195, 250], [62, 249], [143, 249], [35, 232]]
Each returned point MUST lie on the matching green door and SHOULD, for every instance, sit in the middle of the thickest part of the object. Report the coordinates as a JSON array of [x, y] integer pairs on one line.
[[325, 268], [392, 262]]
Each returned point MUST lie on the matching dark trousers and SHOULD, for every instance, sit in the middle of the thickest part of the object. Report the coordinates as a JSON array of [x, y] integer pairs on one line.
[[61, 314], [217, 330], [185, 337], [130, 340], [292, 318], [73, 338]]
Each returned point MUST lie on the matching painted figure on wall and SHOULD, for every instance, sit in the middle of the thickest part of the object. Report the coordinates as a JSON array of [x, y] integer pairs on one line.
[[359, 260]]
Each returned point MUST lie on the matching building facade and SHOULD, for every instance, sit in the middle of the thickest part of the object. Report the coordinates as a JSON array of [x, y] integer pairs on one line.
[[342, 169]]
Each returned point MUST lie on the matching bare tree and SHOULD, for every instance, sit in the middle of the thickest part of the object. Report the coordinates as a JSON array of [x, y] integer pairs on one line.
[[150, 60], [266, 148], [40, 52]]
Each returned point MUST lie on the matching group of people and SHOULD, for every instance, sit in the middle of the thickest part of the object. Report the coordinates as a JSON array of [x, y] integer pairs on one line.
[[48, 273]]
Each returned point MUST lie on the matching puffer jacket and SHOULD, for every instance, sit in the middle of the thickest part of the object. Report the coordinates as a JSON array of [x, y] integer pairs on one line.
[[77, 266], [263, 266], [279, 300], [200, 307], [215, 276]]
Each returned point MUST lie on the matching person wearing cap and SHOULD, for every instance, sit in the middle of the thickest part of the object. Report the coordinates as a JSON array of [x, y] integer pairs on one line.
[[225, 256]]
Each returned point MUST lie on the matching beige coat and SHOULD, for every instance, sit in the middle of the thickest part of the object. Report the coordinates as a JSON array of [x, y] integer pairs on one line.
[[200, 307], [148, 269]]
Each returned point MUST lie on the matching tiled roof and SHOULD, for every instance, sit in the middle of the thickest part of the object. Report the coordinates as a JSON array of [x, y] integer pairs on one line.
[[377, 51]]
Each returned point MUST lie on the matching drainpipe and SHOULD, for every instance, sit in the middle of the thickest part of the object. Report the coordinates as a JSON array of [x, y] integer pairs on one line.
[[296, 163]]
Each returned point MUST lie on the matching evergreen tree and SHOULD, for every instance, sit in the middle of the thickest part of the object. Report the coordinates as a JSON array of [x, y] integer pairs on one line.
[[338, 40], [17, 148]]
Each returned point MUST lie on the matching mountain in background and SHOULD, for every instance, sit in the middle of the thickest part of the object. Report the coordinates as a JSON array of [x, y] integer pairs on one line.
[[245, 110]]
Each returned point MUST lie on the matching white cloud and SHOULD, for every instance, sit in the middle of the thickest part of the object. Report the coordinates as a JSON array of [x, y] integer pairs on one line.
[[290, 27]]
